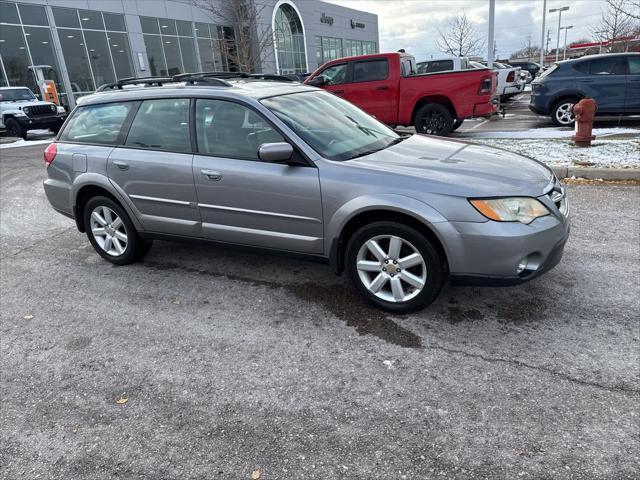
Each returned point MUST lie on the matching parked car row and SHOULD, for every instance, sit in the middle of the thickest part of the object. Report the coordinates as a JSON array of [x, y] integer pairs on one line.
[[288, 167]]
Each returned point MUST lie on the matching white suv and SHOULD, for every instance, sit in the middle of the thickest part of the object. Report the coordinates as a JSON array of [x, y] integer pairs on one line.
[[21, 111]]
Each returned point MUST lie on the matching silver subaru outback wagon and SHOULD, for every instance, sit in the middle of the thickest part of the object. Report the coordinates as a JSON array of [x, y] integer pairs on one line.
[[288, 167]]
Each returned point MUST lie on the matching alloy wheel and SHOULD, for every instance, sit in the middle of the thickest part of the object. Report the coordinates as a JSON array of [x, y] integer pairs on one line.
[[391, 268], [564, 115], [109, 231], [433, 123]]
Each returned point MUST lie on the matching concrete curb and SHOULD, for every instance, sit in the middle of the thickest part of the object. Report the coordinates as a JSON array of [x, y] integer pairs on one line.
[[594, 173]]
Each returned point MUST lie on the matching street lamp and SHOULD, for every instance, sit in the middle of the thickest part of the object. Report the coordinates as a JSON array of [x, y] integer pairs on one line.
[[544, 14], [559, 10], [564, 54]]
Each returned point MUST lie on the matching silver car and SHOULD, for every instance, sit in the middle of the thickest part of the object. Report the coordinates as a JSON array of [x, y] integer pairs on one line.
[[292, 168]]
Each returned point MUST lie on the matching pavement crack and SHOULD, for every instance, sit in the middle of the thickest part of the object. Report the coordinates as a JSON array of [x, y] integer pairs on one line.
[[518, 363], [39, 242]]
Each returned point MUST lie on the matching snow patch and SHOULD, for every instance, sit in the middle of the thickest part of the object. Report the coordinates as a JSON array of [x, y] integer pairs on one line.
[[24, 143], [602, 153], [559, 132]]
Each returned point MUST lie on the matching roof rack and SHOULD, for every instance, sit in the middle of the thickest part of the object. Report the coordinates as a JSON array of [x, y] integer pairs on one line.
[[207, 78]]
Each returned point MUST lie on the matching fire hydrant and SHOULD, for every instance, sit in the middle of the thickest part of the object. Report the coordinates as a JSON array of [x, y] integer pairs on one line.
[[584, 111]]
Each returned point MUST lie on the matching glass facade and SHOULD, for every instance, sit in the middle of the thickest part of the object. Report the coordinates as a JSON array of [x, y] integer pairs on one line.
[[328, 48], [212, 47], [25, 40], [359, 47], [289, 40]]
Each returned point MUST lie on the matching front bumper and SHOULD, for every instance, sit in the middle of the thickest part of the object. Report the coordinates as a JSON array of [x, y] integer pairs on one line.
[[41, 121], [488, 253]]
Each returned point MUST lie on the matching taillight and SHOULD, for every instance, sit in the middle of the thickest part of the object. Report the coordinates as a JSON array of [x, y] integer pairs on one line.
[[50, 154], [512, 76], [485, 86]]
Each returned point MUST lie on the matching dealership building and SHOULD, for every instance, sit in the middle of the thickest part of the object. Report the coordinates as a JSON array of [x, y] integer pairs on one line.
[[88, 43]]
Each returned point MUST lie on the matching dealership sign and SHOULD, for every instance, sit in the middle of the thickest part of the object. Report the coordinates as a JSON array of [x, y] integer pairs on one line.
[[355, 24], [326, 19]]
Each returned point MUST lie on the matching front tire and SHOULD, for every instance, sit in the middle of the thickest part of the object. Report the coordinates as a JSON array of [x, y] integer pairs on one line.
[[112, 233], [434, 119], [14, 129], [561, 114], [394, 267], [457, 124]]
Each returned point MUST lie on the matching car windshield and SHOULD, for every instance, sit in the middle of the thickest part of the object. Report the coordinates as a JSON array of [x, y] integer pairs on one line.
[[14, 94], [334, 128]]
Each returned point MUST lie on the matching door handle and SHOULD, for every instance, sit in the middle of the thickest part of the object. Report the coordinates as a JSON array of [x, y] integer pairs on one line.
[[211, 175], [121, 165], [384, 87]]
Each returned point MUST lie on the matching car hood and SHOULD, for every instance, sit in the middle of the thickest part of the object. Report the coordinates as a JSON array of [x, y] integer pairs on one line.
[[24, 103], [458, 168]]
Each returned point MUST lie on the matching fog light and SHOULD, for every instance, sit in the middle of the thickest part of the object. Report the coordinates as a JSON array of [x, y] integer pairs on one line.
[[522, 265]]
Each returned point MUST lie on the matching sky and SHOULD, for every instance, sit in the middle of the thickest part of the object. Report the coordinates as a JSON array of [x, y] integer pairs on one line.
[[413, 24]]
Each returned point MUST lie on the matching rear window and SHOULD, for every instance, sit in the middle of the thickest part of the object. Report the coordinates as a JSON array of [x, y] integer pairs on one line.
[[97, 124], [435, 66], [370, 71]]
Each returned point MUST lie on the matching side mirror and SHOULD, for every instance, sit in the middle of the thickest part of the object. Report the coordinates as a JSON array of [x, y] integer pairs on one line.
[[319, 81], [275, 152]]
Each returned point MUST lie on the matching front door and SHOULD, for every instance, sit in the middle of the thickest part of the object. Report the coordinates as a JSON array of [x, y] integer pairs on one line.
[[606, 83], [244, 200], [153, 167], [633, 85], [371, 87]]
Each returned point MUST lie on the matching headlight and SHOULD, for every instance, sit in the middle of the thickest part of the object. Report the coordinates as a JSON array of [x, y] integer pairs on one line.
[[52, 108], [517, 209], [26, 110]]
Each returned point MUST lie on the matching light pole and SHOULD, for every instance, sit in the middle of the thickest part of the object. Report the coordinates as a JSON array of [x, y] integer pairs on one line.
[[564, 54], [559, 10], [490, 53], [544, 17]]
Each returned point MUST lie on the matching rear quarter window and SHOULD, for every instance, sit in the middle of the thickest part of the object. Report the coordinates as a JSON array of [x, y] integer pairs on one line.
[[97, 124]]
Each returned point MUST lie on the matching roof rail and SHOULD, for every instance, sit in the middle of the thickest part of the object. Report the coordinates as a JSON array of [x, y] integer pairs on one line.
[[202, 77], [147, 81]]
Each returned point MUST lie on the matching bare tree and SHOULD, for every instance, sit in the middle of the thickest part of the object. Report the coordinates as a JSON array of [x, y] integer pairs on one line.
[[461, 38], [631, 8], [528, 51], [615, 23], [250, 43]]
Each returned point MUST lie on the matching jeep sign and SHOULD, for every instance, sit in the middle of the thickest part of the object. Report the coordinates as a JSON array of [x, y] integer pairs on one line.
[[326, 19]]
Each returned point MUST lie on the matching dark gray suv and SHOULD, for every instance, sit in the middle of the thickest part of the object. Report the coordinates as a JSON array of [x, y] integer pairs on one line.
[[612, 80], [288, 167]]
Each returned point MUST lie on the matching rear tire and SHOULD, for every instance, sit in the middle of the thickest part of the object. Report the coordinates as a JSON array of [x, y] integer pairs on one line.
[[434, 119], [394, 267], [111, 232], [457, 124], [14, 129], [561, 114]]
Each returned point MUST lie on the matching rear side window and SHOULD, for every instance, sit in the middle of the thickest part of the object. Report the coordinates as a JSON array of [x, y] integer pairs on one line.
[[161, 125], [603, 66], [370, 71], [634, 65], [230, 130], [97, 124]]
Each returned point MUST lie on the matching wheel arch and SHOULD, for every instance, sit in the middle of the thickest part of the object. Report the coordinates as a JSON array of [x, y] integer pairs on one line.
[[439, 99], [94, 186], [423, 222]]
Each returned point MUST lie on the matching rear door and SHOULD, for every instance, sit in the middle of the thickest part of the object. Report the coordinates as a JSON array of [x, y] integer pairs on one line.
[[153, 167], [244, 200], [372, 90], [633, 85], [604, 79]]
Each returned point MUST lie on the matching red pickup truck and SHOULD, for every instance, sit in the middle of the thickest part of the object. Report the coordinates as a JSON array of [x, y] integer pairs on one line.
[[386, 86]]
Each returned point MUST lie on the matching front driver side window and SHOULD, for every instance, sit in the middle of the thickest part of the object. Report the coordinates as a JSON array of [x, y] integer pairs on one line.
[[231, 130], [336, 74]]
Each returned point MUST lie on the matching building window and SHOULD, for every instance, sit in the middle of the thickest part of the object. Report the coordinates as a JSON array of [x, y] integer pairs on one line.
[[289, 40], [214, 47], [95, 49], [328, 48], [25, 40], [360, 47]]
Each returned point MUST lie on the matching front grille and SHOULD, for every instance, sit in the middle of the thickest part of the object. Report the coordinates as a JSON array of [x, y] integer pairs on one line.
[[35, 110]]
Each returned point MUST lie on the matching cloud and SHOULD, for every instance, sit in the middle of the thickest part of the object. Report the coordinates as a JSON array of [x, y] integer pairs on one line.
[[414, 24]]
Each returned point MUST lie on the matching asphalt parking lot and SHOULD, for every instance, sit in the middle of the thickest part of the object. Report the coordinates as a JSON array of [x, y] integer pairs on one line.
[[226, 362]]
